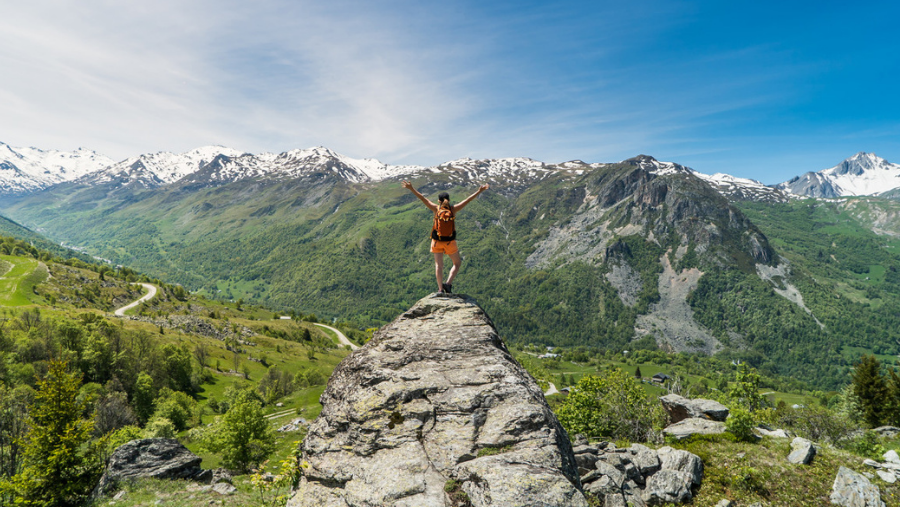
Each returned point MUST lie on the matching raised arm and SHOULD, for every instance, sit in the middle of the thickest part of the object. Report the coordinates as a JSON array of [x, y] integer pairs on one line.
[[407, 185], [467, 200]]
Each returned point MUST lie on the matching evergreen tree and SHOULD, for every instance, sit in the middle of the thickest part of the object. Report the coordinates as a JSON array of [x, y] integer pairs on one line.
[[56, 470], [637, 372], [893, 407], [871, 390]]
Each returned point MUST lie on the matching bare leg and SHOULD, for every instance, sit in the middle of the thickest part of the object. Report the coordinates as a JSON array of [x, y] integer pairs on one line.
[[439, 270], [457, 262]]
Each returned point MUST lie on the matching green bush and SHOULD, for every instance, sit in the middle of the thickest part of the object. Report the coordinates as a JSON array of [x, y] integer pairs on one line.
[[611, 405], [740, 424], [159, 427]]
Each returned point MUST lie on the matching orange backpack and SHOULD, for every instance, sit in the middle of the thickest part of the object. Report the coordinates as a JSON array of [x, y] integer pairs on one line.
[[444, 228]]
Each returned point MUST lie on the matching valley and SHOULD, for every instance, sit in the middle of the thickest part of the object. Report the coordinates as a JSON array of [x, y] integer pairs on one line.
[[640, 265]]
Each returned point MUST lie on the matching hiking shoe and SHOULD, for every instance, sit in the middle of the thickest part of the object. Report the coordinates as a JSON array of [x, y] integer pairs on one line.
[[448, 288]]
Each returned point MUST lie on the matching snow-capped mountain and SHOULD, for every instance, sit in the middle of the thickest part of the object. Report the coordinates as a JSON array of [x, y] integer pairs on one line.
[[28, 169], [861, 174], [735, 188], [157, 169], [294, 164]]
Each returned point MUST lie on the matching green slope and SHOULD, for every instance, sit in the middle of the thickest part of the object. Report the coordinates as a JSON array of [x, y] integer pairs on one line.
[[321, 245]]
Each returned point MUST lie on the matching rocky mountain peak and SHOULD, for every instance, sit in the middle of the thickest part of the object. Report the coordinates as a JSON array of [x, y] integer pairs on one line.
[[862, 174], [432, 407]]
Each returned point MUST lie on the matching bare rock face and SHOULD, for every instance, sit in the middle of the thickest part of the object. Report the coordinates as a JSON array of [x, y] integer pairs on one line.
[[160, 458], [434, 411]]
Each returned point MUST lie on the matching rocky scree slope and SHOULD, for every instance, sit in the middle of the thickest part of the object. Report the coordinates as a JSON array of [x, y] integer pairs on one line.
[[432, 409]]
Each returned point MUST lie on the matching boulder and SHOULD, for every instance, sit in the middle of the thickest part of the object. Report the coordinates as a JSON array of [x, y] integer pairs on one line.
[[694, 426], [891, 457], [160, 458], [683, 461], [435, 401], [680, 408], [802, 452], [668, 486], [887, 431], [765, 432], [851, 489]]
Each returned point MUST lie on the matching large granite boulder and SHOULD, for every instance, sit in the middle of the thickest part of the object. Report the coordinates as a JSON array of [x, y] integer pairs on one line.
[[434, 409], [851, 489], [160, 458], [680, 408]]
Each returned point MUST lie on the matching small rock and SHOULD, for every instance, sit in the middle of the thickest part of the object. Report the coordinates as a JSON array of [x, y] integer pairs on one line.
[[851, 489], [580, 439], [279, 404], [891, 457], [772, 433], [724, 503], [887, 477], [802, 452], [120, 495], [872, 463], [223, 488]]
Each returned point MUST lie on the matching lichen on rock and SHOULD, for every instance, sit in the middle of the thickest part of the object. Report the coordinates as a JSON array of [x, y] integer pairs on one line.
[[435, 398]]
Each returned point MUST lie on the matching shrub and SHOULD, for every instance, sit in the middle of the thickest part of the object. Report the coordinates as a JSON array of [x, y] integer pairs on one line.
[[740, 424], [159, 427], [611, 405]]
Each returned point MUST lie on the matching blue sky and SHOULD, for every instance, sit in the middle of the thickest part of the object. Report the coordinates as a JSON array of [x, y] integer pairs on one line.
[[765, 90]]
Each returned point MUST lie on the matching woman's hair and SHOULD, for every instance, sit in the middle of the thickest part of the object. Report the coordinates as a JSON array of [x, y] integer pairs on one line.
[[444, 196]]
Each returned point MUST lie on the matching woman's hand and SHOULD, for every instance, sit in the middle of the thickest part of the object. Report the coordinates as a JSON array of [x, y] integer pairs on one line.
[[484, 187], [407, 185]]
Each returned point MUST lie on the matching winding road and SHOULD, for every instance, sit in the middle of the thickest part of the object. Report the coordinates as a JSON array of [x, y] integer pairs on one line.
[[151, 291], [341, 336]]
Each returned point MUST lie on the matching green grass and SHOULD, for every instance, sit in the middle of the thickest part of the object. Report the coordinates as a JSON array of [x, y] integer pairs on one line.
[[759, 472], [17, 284]]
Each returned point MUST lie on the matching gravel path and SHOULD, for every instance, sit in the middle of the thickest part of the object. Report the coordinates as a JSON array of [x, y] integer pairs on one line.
[[151, 292], [341, 336]]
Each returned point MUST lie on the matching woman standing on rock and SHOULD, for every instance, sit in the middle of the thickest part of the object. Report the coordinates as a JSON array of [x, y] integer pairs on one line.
[[443, 233]]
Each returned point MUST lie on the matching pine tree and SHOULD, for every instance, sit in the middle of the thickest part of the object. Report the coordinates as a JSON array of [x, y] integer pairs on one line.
[[56, 471], [871, 390], [637, 372]]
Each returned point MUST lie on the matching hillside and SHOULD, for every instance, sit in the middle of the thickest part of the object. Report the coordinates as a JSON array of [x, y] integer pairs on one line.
[[638, 254]]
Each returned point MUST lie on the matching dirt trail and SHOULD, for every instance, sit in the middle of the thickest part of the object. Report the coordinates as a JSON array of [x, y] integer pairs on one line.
[[341, 336], [151, 292]]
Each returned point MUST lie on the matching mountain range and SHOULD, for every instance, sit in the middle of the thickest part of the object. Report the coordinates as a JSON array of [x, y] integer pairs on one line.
[[27, 170], [628, 255]]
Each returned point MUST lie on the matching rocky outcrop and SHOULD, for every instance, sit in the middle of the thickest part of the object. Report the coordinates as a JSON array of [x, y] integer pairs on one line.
[[694, 426], [638, 475], [851, 489], [160, 458], [434, 411], [680, 408]]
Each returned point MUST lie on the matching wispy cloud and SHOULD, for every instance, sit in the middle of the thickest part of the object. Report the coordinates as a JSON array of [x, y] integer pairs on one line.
[[425, 82]]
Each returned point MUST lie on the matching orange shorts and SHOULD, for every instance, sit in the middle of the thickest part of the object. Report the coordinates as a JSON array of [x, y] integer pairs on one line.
[[447, 247]]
